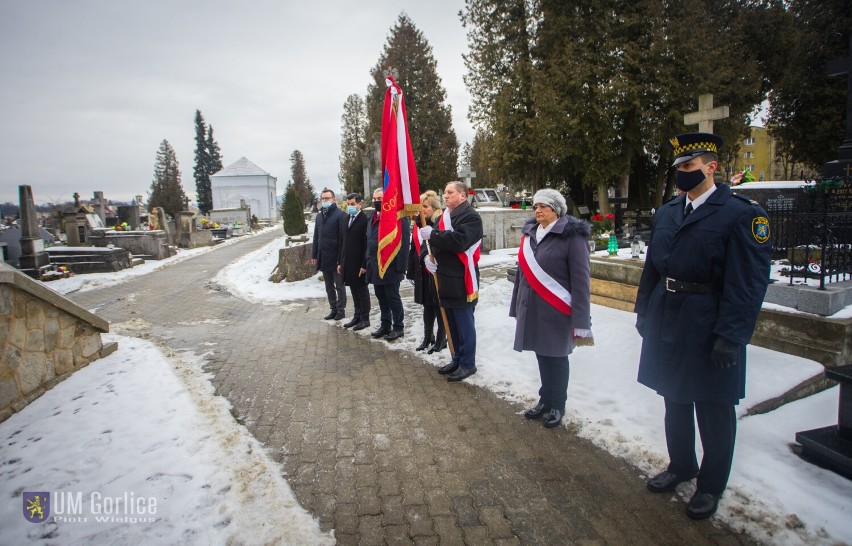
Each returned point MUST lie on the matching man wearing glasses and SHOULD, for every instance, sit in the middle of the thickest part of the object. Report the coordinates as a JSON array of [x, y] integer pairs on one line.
[[325, 252]]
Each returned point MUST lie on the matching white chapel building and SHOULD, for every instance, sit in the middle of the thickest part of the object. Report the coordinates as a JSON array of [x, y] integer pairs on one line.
[[243, 180]]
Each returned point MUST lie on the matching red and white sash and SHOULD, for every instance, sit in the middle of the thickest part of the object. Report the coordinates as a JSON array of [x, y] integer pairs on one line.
[[469, 258], [543, 284]]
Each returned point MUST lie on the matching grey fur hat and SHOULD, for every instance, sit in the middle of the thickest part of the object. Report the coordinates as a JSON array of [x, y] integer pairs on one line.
[[552, 199]]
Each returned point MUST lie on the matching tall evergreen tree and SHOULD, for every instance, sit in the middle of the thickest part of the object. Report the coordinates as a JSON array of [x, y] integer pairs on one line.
[[808, 109], [214, 153], [299, 175], [433, 139], [201, 172], [353, 127], [166, 191], [294, 218]]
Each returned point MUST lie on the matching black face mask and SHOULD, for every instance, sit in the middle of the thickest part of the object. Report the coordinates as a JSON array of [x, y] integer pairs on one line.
[[687, 180], [377, 205]]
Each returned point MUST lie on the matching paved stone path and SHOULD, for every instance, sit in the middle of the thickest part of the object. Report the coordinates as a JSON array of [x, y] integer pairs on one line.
[[380, 447]]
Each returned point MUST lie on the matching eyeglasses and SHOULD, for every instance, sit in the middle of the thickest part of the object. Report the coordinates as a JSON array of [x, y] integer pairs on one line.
[[327, 198]]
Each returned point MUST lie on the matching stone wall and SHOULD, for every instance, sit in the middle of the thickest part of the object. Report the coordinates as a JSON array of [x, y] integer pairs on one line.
[[44, 338], [150, 245], [501, 227]]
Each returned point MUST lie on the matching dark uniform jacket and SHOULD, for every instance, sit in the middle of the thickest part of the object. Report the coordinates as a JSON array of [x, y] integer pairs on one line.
[[467, 230], [326, 247], [724, 243], [564, 255], [396, 270], [353, 245], [424, 285]]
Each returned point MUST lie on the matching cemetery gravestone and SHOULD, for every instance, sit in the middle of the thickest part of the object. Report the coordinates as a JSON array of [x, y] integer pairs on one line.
[[34, 260]]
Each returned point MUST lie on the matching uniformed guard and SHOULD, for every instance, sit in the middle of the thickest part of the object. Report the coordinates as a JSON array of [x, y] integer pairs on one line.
[[701, 290]]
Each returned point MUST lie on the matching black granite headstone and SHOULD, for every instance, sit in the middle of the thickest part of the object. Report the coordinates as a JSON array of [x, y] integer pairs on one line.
[[831, 446]]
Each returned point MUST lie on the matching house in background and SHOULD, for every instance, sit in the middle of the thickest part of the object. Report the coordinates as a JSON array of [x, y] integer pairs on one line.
[[758, 154], [245, 181]]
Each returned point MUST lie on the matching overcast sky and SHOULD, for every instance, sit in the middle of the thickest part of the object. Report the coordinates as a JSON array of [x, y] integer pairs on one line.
[[91, 87]]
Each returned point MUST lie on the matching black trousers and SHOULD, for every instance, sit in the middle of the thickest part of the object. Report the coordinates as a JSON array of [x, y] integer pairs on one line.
[[361, 300], [553, 371], [429, 315], [391, 313], [717, 424]]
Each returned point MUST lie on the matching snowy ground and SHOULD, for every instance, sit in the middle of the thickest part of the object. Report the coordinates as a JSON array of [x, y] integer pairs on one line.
[[210, 472]]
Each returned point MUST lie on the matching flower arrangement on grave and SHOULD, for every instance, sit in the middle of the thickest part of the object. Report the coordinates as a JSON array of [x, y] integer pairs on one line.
[[741, 177], [207, 224], [602, 225], [122, 227]]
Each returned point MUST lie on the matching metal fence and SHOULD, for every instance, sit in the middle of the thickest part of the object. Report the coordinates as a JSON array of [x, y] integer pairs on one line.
[[814, 233]]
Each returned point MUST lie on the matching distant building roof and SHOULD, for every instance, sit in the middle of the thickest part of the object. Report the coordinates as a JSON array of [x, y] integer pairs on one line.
[[242, 167]]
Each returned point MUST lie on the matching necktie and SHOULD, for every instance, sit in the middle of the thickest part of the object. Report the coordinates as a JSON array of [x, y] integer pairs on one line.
[[351, 219], [687, 210]]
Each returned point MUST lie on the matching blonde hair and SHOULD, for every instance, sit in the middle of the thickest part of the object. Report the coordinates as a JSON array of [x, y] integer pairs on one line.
[[431, 198]]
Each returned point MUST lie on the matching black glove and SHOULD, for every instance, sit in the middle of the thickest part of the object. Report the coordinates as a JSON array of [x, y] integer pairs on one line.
[[640, 325], [725, 352]]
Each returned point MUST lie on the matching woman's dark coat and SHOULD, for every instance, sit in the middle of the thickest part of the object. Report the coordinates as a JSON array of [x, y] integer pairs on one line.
[[720, 244], [424, 284], [352, 248], [564, 255], [396, 270], [326, 247], [467, 230]]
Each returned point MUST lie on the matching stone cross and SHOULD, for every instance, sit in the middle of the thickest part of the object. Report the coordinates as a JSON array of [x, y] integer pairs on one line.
[[468, 175], [76, 197], [706, 114], [186, 203], [843, 67], [99, 206]]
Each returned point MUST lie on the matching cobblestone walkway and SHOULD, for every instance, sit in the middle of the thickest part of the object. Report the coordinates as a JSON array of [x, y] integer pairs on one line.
[[376, 444]]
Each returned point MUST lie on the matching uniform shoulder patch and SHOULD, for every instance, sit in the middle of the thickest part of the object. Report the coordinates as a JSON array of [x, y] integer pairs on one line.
[[760, 229]]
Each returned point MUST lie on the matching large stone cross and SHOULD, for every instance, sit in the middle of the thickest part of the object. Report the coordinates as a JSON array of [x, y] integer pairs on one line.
[[706, 114], [843, 67], [468, 175]]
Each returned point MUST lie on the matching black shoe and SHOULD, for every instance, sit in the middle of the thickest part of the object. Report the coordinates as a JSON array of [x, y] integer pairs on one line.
[[665, 482], [381, 331], [536, 412], [428, 340], [449, 368], [330, 315], [394, 335], [553, 418], [340, 315], [355, 321], [702, 505], [439, 346], [461, 373], [361, 325]]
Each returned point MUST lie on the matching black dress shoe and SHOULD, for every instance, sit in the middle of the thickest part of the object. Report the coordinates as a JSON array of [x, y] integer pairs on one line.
[[340, 315], [361, 325], [449, 368], [428, 340], [553, 418], [536, 412], [394, 335], [461, 373], [702, 505], [330, 315], [666, 481], [355, 321], [439, 346], [381, 331]]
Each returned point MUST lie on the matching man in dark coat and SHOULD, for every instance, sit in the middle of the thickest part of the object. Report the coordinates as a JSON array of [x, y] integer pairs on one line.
[[353, 246], [701, 290], [455, 246], [387, 287], [325, 252]]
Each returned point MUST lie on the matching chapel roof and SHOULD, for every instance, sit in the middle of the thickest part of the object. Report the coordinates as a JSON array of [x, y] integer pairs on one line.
[[242, 167]]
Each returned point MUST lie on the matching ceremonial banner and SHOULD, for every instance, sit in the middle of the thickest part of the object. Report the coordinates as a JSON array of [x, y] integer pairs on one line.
[[401, 192]]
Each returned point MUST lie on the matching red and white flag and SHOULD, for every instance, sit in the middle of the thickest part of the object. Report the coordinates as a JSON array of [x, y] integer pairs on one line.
[[401, 192]]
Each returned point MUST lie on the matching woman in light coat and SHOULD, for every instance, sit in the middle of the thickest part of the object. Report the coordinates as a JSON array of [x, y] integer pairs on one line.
[[551, 298]]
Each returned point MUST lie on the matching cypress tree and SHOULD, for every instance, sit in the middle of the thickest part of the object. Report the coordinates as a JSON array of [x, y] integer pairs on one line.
[[203, 190], [294, 218], [301, 183]]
